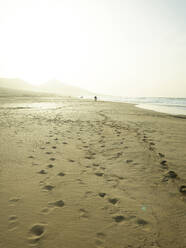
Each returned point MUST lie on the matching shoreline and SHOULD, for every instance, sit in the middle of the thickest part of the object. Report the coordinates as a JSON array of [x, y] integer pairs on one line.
[[90, 174]]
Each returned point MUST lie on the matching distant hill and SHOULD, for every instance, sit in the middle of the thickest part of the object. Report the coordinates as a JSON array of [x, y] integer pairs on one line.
[[52, 86], [15, 83], [7, 92], [57, 87]]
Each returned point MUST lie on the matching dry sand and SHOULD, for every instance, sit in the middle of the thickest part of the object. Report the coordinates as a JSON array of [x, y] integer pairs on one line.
[[77, 173]]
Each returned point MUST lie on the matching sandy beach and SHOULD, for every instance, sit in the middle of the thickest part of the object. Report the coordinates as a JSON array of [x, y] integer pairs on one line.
[[76, 173]]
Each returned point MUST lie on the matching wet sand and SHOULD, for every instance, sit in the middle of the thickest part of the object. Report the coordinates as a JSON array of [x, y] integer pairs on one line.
[[77, 173]]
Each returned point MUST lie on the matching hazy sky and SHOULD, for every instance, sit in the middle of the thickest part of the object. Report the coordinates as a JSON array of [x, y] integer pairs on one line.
[[126, 47]]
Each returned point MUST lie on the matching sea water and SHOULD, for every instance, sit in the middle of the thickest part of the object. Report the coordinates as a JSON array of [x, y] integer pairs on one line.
[[169, 105]]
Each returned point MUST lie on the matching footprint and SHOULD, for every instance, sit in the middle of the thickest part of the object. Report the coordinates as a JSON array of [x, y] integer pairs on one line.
[[45, 210], [48, 152], [48, 187], [99, 174], [182, 189], [102, 194], [88, 157], [113, 200], [141, 222], [52, 159], [170, 174], [100, 239], [96, 165], [100, 235], [12, 218], [37, 232], [15, 199], [59, 203], [129, 161], [83, 213], [161, 155], [50, 166], [53, 147], [164, 164], [61, 174], [71, 160], [30, 157], [12, 222], [42, 172], [119, 218]]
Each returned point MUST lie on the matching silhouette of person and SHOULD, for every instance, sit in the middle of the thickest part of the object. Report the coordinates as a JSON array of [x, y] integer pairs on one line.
[[95, 98]]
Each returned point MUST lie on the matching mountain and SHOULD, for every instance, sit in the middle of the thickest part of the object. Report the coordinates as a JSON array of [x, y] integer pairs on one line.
[[52, 86], [15, 83], [8, 92], [57, 87]]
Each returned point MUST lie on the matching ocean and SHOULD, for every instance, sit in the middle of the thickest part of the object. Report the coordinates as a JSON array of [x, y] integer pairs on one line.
[[168, 105]]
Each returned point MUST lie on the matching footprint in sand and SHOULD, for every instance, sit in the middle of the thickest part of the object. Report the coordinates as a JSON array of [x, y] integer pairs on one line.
[[14, 199], [45, 210], [119, 218], [101, 194], [164, 164], [71, 160], [50, 166], [141, 222], [61, 174], [31, 157], [161, 155], [48, 152], [42, 172], [59, 204], [13, 222], [83, 213], [99, 174], [89, 157], [170, 174], [96, 165], [48, 187], [100, 239], [100, 235], [36, 232], [53, 147], [129, 161], [52, 159], [113, 200]]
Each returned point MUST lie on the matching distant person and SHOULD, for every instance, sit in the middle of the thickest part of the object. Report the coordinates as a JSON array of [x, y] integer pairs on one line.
[[95, 98]]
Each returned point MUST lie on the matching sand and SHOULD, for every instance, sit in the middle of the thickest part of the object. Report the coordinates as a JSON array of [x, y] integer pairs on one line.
[[78, 173]]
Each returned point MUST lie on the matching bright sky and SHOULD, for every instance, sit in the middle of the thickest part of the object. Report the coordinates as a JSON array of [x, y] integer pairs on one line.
[[118, 47]]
